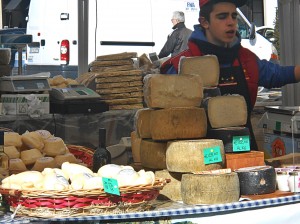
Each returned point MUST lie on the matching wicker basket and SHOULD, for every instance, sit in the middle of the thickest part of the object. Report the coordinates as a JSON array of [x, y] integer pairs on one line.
[[82, 153], [50, 204]]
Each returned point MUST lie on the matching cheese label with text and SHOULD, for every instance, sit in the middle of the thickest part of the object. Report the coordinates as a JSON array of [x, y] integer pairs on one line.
[[212, 155], [110, 186], [241, 143]]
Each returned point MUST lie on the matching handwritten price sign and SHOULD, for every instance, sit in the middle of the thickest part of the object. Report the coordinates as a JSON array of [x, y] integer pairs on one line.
[[212, 155], [110, 186], [241, 143]]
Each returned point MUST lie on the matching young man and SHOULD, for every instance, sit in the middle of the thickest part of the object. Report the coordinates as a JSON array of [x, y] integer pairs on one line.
[[241, 71], [177, 40]]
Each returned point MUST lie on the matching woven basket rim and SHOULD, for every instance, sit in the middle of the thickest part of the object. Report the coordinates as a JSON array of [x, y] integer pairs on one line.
[[158, 185]]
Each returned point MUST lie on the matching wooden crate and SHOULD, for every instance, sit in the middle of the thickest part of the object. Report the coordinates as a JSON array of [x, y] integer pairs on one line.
[[244, 159]]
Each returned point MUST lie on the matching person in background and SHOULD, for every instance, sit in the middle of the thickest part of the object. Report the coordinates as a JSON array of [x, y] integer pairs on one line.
[[241, 71], [178, 39]]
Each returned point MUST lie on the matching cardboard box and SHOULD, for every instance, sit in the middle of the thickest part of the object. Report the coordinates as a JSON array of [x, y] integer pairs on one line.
[[14, 104], [276, 145], [244, 159]]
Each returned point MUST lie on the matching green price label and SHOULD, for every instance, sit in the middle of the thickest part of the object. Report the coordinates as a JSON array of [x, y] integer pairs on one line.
[[212, 155], [110, 186], [241, 143]]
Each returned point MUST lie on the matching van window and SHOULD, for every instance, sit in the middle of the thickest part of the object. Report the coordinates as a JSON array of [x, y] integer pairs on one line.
[[243, 28]]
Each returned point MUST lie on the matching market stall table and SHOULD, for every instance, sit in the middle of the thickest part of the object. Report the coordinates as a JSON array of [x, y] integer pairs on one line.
[[271, 210]]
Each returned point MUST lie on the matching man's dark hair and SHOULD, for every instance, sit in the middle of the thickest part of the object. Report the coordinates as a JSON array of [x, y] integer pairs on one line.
[[206, 10]]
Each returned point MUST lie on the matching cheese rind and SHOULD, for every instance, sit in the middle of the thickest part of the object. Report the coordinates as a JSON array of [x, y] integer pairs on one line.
[[210, 189], [189, 155], [172, 190], [153, 154], [166, 91], [136, 147], [226, 111], [207, 67], [142, 122], [178, 123]]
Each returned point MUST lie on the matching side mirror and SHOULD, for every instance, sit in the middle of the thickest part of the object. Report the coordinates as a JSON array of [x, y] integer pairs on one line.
[[252, 32]]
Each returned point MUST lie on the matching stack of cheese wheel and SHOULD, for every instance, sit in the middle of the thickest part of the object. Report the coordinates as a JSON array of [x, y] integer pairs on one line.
[[172, 133], [35, 150]]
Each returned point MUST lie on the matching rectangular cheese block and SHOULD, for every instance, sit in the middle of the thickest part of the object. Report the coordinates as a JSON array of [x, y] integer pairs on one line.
[[226, 111], [142, 122], [244, 159], [166, 91], [207, 67], [178, 123]]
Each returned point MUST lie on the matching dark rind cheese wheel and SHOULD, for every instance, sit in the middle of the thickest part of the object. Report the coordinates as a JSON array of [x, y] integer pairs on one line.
[[227, 134], [210, 188], [257, 180]]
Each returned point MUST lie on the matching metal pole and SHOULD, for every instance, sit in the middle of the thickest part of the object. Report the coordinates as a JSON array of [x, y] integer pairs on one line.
[[83, 36], [289, 27]]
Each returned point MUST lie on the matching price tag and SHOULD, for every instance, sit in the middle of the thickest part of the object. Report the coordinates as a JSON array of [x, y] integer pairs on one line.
[[212, 155], [241, 143], [110, 186]]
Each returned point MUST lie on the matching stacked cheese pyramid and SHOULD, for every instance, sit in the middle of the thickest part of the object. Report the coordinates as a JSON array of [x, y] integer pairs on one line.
[[171, 134], [116, 80]]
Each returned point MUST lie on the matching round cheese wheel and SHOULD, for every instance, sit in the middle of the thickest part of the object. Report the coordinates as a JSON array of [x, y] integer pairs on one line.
[[44, 133], [188, 155], [153, 154], [68, 157], [12, 152], [30, 156], [178, 123], [257, 180], [210, 188], [142, 122], [172, 190], [54, 146], [12, 139], [44, 162], [33, 140], [16, 165]]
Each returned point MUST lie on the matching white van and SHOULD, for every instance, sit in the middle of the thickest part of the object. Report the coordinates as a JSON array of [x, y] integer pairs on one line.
[[115, 26]]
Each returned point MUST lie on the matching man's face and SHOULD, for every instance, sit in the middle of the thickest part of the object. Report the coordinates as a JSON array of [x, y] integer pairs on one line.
[[221, 30]]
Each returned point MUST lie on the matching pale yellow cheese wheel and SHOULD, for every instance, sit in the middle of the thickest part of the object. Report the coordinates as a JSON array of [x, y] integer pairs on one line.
[[12, 139], [30, 156], [166, 91], [178, 123], [188, 155], [12, 152], [153, 154], [210, 189], [227, 111], [207, 67], [54, 146]]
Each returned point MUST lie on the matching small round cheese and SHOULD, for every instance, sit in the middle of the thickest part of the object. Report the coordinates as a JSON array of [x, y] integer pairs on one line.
[[12, 152], [30, 156], [111, 170], [44, 162], [33, 140], [16, 165], [12, 139], [68, 157], [54, 146], [127, 177], [44, 133]]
